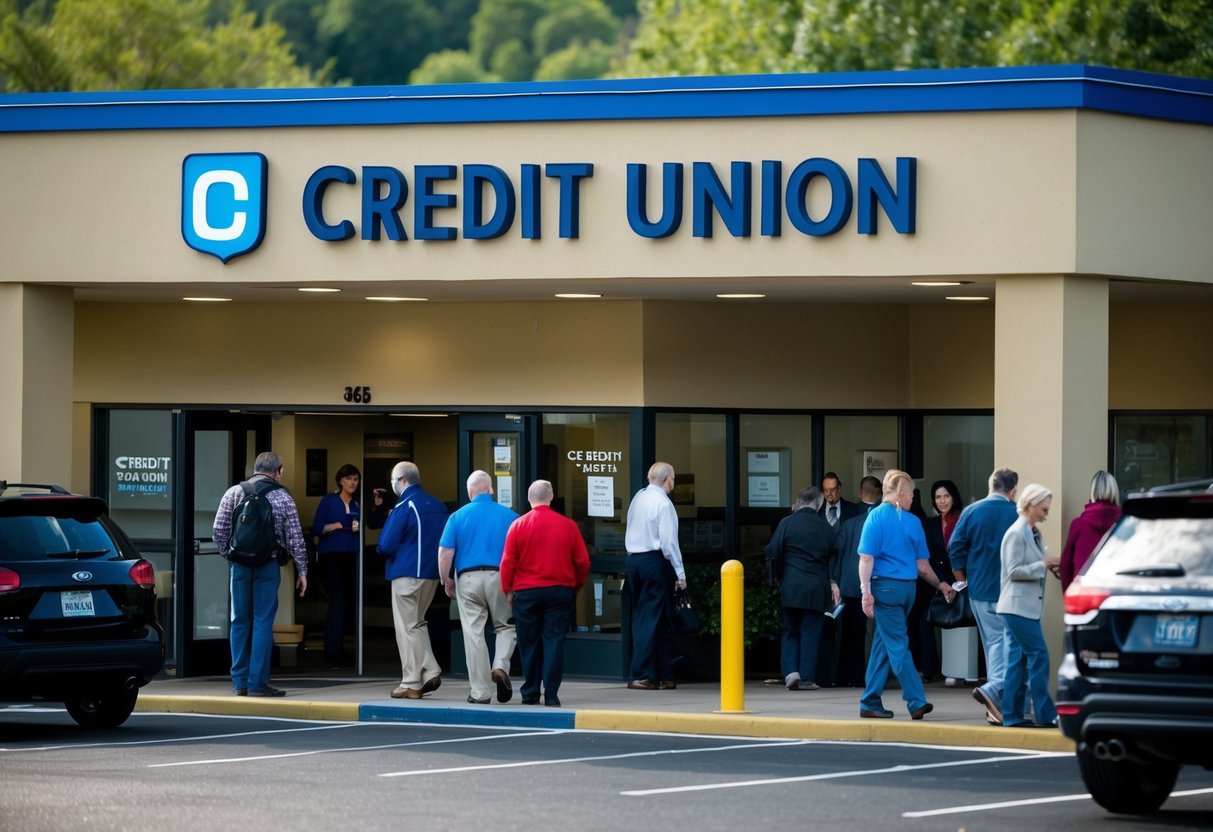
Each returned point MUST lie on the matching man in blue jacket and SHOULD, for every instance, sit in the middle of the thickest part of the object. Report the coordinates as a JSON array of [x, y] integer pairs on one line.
[[409, 542], [976, 554]]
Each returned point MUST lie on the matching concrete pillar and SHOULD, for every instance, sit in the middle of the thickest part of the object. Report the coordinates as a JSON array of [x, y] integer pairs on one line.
[[36, 377], [1051, 400]]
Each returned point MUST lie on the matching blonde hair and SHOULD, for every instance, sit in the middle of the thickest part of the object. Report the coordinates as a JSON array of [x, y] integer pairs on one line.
[[893, 479], [1104, 488], [1031, 494]]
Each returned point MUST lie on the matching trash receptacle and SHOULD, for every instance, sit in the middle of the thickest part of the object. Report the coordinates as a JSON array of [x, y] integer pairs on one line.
[[960, 647]]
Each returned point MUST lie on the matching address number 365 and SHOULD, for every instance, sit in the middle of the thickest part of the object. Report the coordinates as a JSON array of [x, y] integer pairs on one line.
[[358, 395]]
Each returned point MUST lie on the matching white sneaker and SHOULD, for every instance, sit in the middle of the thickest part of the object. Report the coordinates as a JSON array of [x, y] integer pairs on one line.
[[792, 681]]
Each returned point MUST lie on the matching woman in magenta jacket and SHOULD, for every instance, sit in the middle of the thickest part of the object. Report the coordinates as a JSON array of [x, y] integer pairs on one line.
[[1088, 528]]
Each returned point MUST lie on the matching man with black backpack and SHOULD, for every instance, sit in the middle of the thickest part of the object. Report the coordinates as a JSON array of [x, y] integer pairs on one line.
[[257, 530]]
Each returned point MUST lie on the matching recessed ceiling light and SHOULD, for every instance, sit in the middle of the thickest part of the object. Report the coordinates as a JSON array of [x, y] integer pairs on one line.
[[938, 282], [208, 300], [391, 299], [317, 289], [577, 295], [967, 297], [738, 295]]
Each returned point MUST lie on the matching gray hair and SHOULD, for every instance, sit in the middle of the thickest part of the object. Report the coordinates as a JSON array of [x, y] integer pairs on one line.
[[479, 482], [267, 462], [810, 497], [540, 493], [1104, 488], [1032, 494], [1003, 481], [406, 471], [659, 472]]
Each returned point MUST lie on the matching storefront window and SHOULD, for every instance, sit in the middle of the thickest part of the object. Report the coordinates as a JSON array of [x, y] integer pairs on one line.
[[585, 457], [1160, 449], [957, 448], [856, 446], [776, 462], [694, 443]]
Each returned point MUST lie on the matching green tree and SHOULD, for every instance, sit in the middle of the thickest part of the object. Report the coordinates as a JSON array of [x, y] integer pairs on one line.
[[576, 20], [142, 44], [450, 66], [377, 41], [499, 23], [512, 61], [576, 61]]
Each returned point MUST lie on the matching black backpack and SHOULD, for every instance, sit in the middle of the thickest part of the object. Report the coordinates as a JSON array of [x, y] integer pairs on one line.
[[253, 540]]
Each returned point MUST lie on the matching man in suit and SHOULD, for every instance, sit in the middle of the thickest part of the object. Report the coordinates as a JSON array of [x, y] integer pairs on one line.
[[853, 624], [801, 553], [976, 554], [835, 509]]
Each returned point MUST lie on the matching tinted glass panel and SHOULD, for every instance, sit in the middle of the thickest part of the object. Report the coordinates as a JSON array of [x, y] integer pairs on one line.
[[39, 538], [1138, 542]]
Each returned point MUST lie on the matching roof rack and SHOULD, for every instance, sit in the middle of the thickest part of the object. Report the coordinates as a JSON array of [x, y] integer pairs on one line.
[[49, 488]]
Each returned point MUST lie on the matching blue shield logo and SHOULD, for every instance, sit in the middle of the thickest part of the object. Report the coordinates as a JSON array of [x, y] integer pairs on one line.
[[223, 202]]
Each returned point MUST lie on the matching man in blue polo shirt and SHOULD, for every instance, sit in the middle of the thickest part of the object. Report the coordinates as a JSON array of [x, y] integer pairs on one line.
[[976, 554], [469, 557]]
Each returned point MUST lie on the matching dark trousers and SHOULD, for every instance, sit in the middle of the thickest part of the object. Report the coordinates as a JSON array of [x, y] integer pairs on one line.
[[650, 580], [801, 637], [852, 644], [923, 646], [337, 571], [541, 619]]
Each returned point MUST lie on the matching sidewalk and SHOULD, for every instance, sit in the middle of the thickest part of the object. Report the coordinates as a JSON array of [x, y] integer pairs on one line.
[[770, 710]]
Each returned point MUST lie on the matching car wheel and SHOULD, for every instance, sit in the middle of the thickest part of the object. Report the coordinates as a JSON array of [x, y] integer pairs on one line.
[[107, 708], [1127, 787]]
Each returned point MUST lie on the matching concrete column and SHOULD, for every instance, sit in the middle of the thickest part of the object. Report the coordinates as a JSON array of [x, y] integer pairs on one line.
[[1051, 399], [36, 377]]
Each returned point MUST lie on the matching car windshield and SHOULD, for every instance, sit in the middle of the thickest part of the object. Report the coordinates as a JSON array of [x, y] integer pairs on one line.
[[39, 538], [1137, 543]]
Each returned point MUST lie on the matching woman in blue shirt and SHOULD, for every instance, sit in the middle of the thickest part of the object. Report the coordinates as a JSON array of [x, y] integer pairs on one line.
[[336, 527], [892, 554]]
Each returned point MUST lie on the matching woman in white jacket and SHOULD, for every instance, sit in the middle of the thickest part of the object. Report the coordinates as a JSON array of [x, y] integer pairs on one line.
[[1021, 603]]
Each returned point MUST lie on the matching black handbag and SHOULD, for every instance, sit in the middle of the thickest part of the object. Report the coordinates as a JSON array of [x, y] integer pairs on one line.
[[947, 616], [683, 618]]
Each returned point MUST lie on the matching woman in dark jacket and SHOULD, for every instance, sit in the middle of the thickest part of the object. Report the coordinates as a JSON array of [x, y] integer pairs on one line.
[[1088, 528], [336, 527], [945, 497]]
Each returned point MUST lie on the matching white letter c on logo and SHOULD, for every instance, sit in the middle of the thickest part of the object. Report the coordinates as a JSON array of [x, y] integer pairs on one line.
[[239, 218]]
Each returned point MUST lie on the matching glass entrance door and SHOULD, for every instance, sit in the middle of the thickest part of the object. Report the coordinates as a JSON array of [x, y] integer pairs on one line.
[[503, 445], [216, 451]]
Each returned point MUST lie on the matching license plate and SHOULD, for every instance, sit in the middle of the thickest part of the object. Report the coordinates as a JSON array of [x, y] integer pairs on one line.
[[77, 603], [1176, 630]]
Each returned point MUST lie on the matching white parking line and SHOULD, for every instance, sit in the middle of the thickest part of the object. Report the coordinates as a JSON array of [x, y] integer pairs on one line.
[[351, 749], [564, 760], [1033, 801], [837, 775], [311, 726]]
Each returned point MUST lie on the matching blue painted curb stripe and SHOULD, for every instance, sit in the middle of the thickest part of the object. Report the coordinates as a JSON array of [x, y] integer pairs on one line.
[[506, 717]]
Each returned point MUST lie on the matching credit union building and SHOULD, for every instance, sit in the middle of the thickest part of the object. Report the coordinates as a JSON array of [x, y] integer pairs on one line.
[[758, 279]]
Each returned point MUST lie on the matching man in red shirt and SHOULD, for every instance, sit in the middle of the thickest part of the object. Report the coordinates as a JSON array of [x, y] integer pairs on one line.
[[544, 564]]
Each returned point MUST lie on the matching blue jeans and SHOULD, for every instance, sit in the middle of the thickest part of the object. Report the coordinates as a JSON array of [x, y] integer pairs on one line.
[[1026, 646], [891, 646], [800, 636], [254, 591], [541, 619], [992, 629]]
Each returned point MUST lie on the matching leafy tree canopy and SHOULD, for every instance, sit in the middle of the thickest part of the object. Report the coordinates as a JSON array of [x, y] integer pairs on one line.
[[450, 66], [141, 44]]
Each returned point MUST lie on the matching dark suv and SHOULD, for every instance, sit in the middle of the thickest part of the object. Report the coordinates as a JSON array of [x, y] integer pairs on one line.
[[77, 606], [1135, 687]]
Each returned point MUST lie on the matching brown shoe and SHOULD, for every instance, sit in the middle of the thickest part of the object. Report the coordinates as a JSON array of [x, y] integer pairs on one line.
[[403, 692], [505, 691], [919, 713], [668, 684], [431, 684], [642, 684]]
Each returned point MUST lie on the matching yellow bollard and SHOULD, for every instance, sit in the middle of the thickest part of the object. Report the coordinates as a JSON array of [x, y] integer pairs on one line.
[[732, 637]]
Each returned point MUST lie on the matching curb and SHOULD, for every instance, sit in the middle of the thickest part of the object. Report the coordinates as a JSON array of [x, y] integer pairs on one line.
[[736, 725]]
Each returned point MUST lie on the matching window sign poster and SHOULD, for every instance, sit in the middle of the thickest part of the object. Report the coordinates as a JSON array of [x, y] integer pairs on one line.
[[764, 491], [140, 471], [505, 491], [502, 459], [601, 496], [876, 463], [763, 462]]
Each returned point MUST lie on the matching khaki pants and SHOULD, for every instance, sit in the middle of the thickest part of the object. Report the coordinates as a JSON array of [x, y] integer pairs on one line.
[[481, 601], [411, 598]]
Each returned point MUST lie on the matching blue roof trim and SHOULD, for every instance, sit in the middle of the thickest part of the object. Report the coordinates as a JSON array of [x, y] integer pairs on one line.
[[912, 91]]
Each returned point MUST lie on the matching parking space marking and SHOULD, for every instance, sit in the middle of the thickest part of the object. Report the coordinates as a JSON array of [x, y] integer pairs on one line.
[[837, 775], [310, 726], [1032, 801], [350, 749], [565, 760]]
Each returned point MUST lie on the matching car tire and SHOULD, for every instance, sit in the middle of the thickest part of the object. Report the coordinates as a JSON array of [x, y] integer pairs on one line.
[[1127, 787], [102, 709]]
